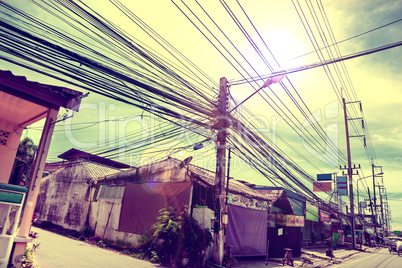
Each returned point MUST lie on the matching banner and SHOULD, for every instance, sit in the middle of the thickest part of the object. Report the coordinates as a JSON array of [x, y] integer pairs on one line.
[[242, 201], [322, 186], [342, 183], [324, 177], [290, 220], [311, 212]]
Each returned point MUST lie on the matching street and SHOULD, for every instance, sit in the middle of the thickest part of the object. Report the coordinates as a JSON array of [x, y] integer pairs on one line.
[[381, 259], [56, 251]]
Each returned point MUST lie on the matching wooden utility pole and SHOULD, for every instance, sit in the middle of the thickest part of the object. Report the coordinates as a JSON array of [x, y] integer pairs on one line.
[[352, 207], [218, 248]]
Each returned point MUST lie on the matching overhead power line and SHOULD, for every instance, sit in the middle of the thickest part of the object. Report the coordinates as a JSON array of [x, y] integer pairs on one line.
[[319, 64]]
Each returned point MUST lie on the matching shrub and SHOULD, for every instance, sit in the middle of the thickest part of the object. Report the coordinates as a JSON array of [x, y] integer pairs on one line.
[[176, 240]]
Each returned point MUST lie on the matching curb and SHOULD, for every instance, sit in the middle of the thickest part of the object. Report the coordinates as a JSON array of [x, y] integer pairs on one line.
[[312, 260]]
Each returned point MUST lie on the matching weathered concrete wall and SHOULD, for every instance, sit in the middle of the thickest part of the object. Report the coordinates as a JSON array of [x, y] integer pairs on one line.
[[63, 197], [104, 219]]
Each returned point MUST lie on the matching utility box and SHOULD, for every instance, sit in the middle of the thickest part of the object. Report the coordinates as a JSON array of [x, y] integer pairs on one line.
[[11, 201]]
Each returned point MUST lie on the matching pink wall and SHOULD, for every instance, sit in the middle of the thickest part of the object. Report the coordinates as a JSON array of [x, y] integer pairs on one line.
[[9, 150]]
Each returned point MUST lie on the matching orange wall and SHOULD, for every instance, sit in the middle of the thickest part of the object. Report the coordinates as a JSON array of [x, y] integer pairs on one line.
[[8, 151]]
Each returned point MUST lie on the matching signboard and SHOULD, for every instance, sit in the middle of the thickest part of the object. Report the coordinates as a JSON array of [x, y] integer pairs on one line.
[[311, 212], [290, 220], [324, 177], [363, 204], [324, 216], [280, 231], [342, 183], [322, 186]]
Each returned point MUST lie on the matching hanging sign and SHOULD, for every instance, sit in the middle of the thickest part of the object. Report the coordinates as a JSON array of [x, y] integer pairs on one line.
[[324, 177], [322, 186], [324, 216], [342, 185]]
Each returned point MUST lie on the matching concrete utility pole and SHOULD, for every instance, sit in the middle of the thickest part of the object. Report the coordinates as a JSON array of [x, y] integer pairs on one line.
[[381, 205], [218, 247], [372, 210], [352, 207], [375, 203]]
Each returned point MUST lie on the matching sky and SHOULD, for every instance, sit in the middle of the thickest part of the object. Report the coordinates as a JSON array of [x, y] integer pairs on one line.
[[103, 123]]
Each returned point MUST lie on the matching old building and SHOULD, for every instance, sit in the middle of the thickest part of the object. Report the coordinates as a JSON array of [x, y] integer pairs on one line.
[[123, 205]]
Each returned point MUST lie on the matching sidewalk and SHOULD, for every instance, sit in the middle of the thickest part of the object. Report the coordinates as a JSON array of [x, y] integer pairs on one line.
[[312, 256], [56, 251]]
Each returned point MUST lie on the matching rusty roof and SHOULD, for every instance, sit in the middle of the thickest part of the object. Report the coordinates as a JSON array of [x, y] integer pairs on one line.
[[97, 171], [73, 154]]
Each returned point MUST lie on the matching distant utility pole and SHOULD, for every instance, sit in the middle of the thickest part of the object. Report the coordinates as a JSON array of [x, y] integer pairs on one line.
[[372, 211], [375, 204], [381, 205], [375, 200], [218, 247]]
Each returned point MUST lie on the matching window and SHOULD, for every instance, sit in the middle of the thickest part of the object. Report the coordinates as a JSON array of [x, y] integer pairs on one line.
[[111, 192]]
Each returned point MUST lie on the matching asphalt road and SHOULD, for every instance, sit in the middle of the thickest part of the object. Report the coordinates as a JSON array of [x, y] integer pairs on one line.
[[56, 251], [381, 259]]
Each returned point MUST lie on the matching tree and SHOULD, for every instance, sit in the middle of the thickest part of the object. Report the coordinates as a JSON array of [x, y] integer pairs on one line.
[[24, 161]]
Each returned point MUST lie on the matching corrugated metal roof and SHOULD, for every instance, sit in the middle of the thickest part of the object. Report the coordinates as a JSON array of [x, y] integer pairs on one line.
[[96, 171], [235, 186], [238, 187], [165, 170], [73, 154]]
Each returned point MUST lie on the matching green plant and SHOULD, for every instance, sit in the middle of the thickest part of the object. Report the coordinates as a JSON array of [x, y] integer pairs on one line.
[[27, 260], [101, 244], [87, 232], [176, 240]]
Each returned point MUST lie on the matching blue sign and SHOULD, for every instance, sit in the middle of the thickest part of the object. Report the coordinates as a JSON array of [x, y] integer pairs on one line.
[[324, 177], [342, 183]]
